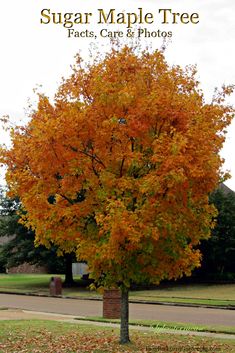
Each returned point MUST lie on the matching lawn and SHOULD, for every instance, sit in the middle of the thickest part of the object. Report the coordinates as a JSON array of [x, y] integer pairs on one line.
[[25, 282], [196, 291], [36, 336], [208, 294], [39, 284]]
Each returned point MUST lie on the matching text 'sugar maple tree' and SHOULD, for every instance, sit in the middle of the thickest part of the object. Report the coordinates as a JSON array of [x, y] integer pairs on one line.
[[120, 166]]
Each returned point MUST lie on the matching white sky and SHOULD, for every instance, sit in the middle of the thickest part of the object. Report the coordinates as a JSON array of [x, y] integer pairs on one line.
[[34, 54]]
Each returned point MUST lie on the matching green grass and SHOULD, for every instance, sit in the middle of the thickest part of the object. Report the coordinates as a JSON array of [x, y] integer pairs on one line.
[[203, 294], [22, 281], [207, 294], [196, 291], [206, 302], [36, 336], [38, 284]]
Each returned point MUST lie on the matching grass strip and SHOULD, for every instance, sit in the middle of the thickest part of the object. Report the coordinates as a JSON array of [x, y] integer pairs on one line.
[[178, 326], [206, 302]]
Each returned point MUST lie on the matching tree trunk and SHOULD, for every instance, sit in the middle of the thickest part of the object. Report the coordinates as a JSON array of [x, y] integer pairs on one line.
[[69, 282], [124, 331]]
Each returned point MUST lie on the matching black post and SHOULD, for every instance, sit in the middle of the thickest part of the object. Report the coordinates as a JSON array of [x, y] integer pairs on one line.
[[69, 282]]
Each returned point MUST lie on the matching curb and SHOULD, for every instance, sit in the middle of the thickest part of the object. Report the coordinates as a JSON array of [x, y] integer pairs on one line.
[[133, 301]]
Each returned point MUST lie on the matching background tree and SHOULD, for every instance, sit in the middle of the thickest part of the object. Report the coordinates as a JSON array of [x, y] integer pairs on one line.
[[20, 248], [219, 251], [137, 140]]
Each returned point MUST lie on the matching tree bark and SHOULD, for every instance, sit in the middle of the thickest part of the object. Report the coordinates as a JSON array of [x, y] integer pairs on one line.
[[124, 330], [69, 282]]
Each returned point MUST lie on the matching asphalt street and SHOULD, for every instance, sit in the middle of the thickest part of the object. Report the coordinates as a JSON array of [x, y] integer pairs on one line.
[[83, 308]]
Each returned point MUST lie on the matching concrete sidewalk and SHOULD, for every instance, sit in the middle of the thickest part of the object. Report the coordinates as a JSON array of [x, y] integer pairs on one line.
[[18, 314]]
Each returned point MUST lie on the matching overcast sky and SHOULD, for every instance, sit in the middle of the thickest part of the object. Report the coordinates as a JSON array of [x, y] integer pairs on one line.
[[40, 54]]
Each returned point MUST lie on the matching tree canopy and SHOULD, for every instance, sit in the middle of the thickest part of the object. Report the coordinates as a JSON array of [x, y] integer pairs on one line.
[[120, 166]]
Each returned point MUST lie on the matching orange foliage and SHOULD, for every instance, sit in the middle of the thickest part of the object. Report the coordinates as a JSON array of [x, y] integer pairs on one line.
[[128, 153]]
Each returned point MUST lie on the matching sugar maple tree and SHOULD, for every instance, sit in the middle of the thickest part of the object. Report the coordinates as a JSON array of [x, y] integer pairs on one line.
[[120, 166]]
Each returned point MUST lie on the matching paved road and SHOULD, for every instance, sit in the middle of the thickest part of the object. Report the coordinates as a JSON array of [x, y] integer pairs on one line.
[[83, 308]]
